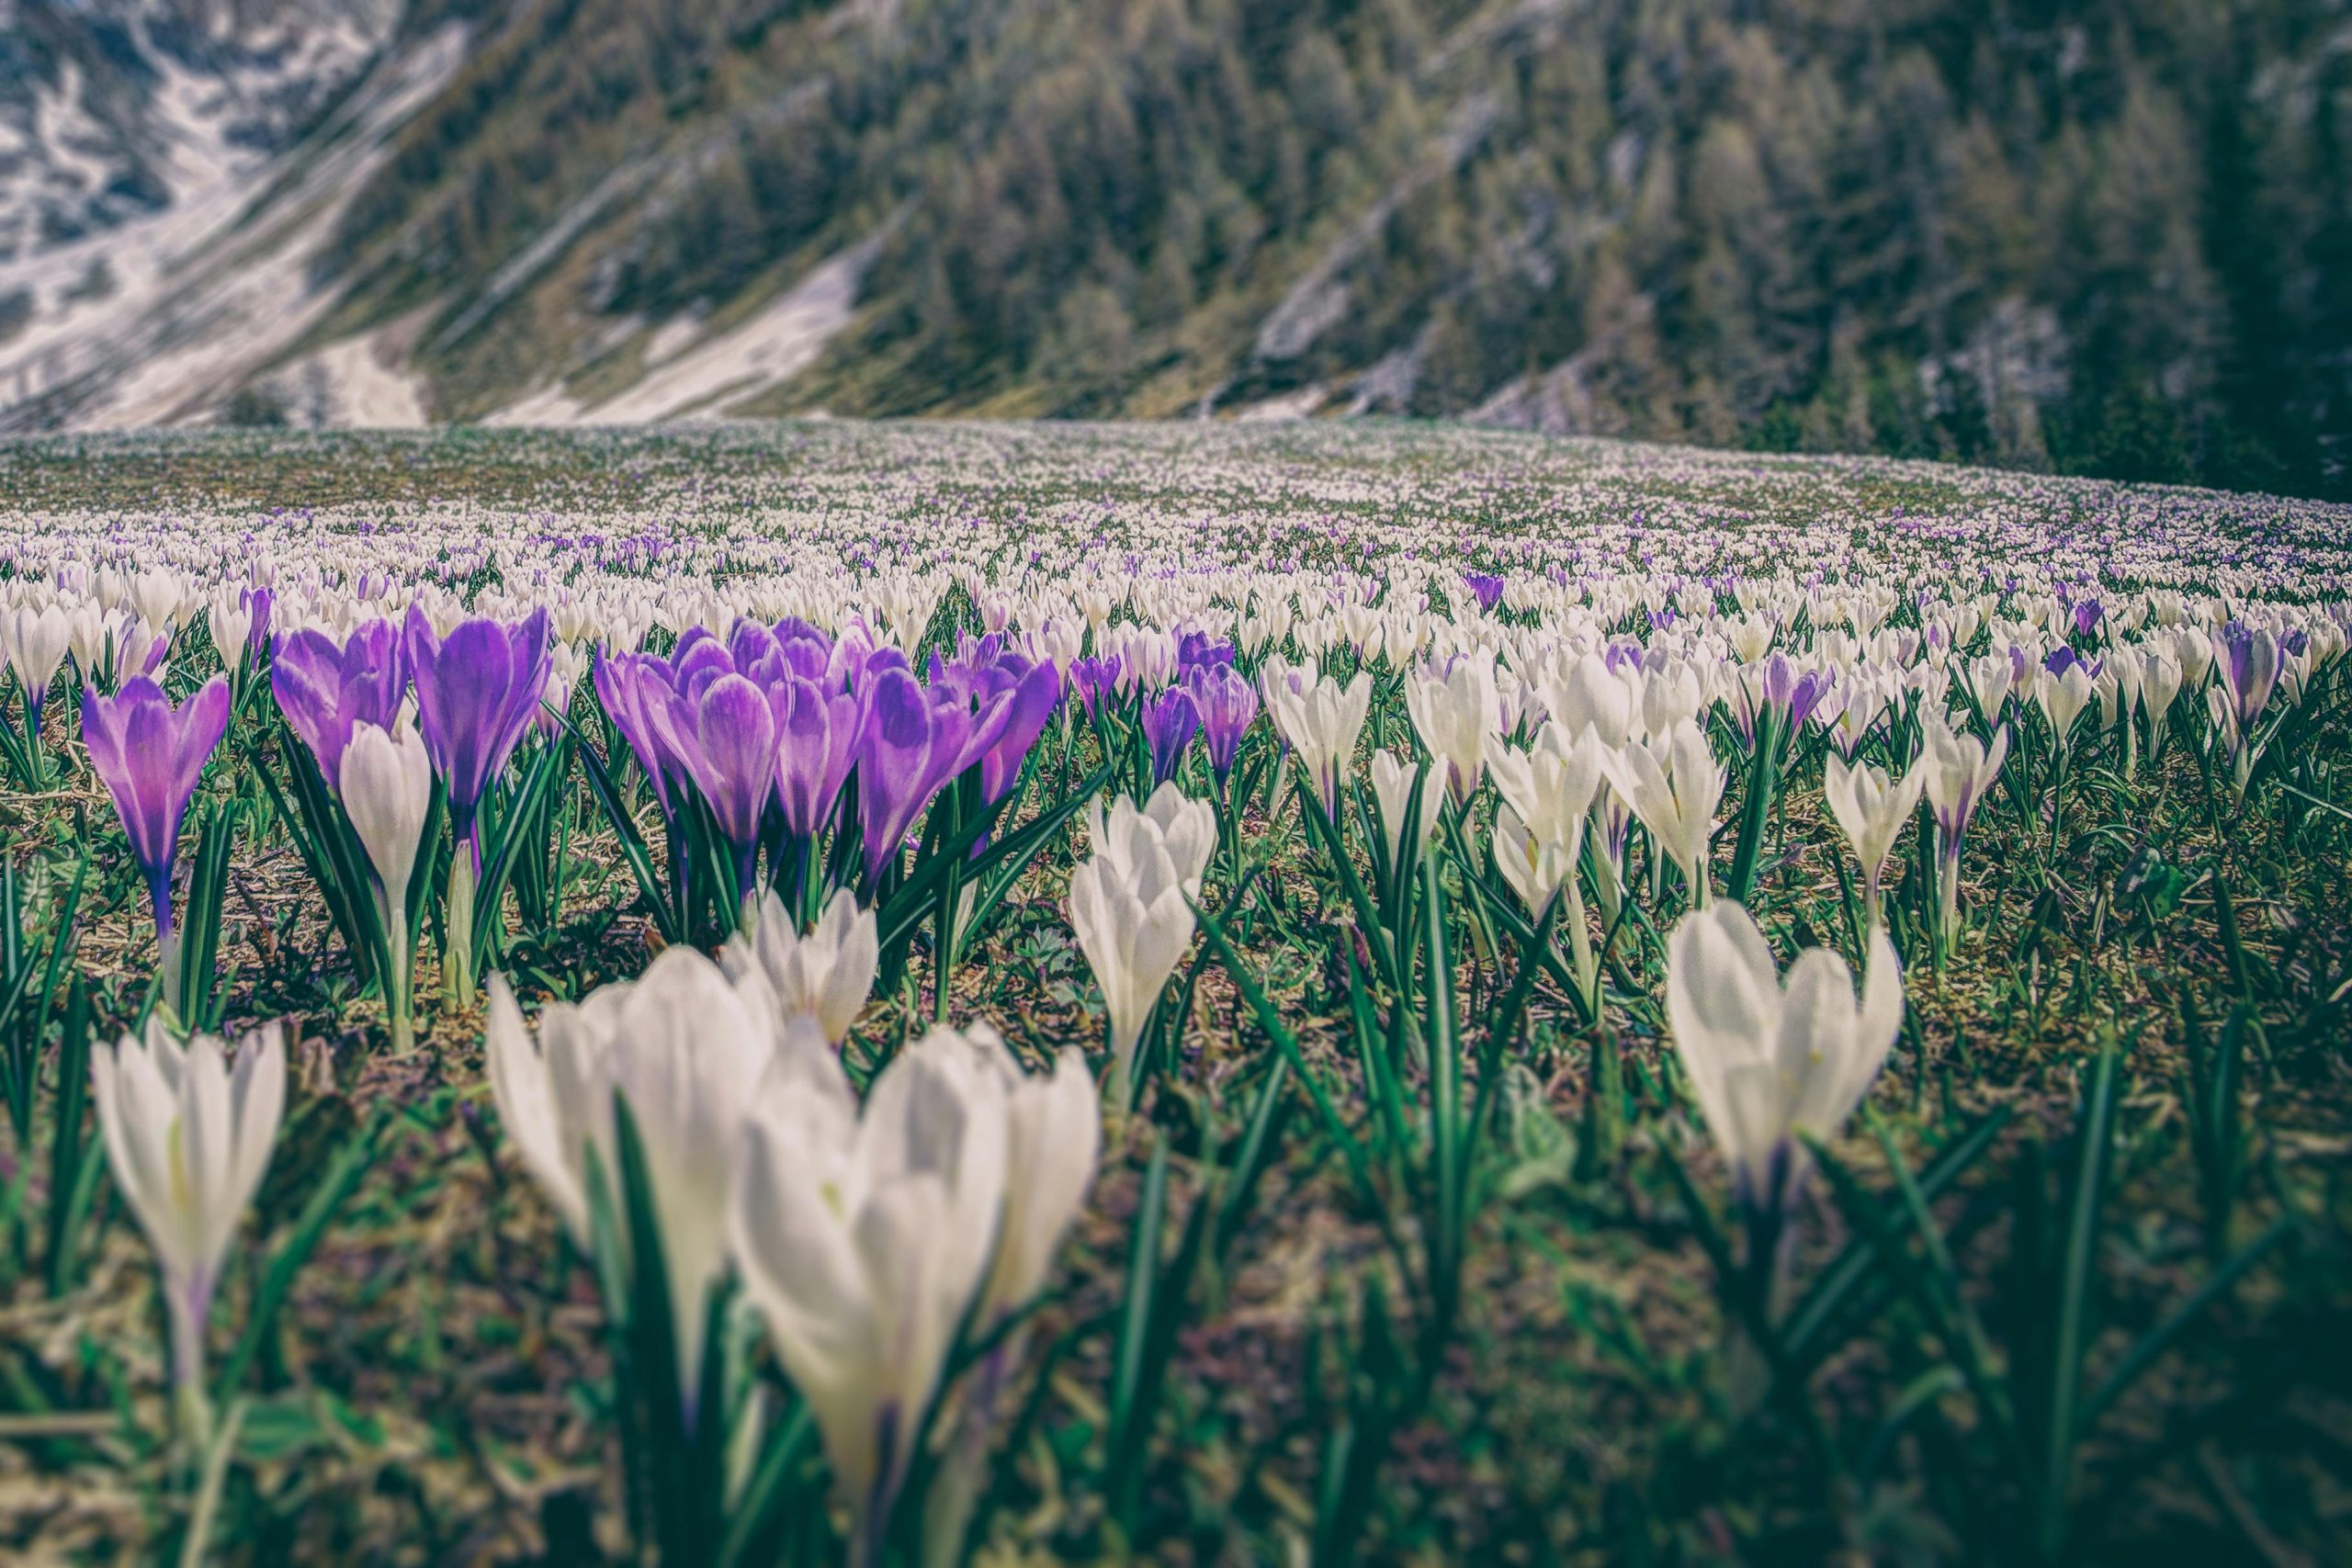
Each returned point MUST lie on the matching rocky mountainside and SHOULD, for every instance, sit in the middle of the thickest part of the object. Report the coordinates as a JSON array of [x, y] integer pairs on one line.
[[2096, 235]]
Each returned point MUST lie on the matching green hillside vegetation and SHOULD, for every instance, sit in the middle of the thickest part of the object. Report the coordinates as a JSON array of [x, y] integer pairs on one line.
[[2097, 236]]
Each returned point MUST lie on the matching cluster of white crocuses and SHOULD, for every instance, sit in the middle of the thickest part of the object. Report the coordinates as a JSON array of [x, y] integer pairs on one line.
[[870, 1236], [1131, 906]]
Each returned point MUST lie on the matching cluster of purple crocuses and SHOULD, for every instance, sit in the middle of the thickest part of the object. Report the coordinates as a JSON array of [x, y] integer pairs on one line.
[[1209, 698], [477, 691], [769, 727]]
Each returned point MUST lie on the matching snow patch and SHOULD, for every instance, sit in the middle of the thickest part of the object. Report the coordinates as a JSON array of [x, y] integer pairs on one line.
[[211, 289], [774, 346], [1287, 409]]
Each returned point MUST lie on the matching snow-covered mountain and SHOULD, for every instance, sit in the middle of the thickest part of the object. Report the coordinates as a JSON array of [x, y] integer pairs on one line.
[[167, 171], [2098, 236]]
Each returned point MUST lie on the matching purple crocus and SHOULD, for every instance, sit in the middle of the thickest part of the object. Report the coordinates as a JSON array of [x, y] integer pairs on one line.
[[325, 689], [2087, 612], [726, 736], [626, 684], [1227, 704], [1487, 587], [1168, 723], [1028, 694], [1095, 680], [150, 756], [910, 748], [2246, 659], [259, 601], [476, 691], [1811, 687], [1198, 650], [817, 731]]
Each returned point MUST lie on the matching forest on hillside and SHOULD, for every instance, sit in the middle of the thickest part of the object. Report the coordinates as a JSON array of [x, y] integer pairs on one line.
[[2094, 236]]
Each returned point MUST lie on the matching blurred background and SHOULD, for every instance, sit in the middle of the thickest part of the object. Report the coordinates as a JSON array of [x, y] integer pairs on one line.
[[2108, 237]]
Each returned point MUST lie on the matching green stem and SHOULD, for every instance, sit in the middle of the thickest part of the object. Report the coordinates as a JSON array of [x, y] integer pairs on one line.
[[457, 957]]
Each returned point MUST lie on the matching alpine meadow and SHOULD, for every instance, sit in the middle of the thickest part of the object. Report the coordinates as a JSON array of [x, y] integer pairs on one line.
[[912, 783]]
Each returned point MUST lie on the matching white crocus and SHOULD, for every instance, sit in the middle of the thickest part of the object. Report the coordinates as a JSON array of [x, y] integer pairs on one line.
[[385, 785], [1552, 784], [1768, 1061], [1675, 800], [1592, 696], [1455, 714], [1870, 811], [2161, 678], [188, 1131], [1989, 680], [825, 976], [1053, 1141], [1548, 796], [864, 1242], [686, 1049], [1959, 771], [2062, 698], [34, 642], [1321, 723], [1185, 828], [1129, 905], [229, 618], [1392, 793], [1533, 865]]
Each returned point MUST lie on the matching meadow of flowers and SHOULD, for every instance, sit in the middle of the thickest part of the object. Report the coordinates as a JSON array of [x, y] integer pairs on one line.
[[903, 995]]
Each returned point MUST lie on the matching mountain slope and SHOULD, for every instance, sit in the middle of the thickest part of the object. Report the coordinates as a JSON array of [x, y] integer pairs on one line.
[[2097, 235]]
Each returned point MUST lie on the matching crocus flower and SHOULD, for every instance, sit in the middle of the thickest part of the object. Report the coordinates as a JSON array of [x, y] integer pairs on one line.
[[1485, 587], [2160, 683], [477, 689], [626, 685], [1227, 702], [1391, 791], [864, 1241], [188, 1131], [910, 749], [1170, 721], [1454, 714], [387, 791], [1128, 906], [1871, 812], [34, 643], [150, 756], [1676, 798], [684, 1047], [1959, 770], [1321, 723], [1768, 1061], [1594, 694], [726, 736], [1054, 1136], [1028, 694], [238, 620], [1199, 651], [2246, 662], [816, 747], [1552, 785], [825, 976], [110, 650], [2064, 689], [323, 688], [1095, 680], [1170, 819]]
